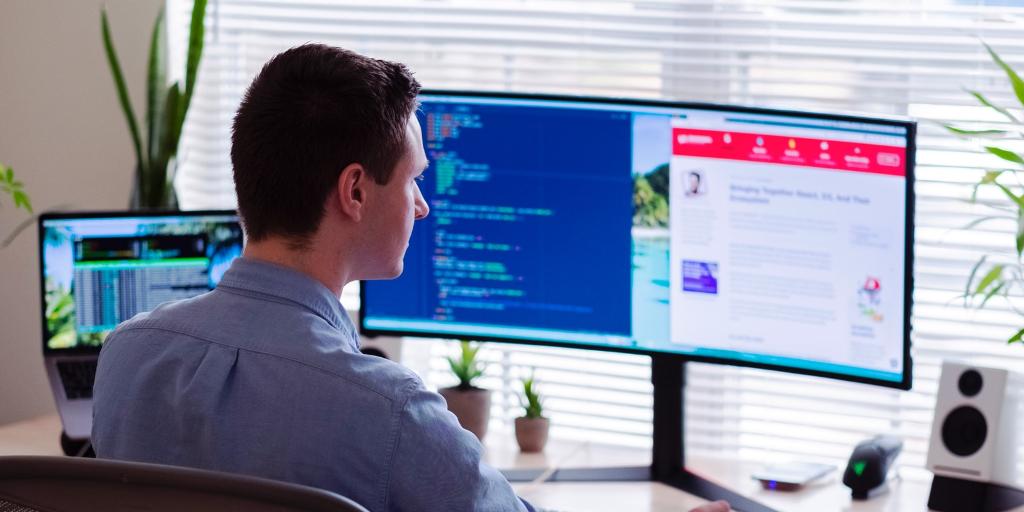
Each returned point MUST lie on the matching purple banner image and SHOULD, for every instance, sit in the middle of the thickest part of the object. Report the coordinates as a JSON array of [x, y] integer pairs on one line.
[[700, 276]]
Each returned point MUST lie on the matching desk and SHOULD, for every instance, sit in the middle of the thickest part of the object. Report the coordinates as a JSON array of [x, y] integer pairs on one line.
[[907, 494], [39, 436]]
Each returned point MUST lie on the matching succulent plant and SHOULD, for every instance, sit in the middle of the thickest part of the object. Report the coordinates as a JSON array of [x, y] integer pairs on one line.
[[534, 407], [467, 368]]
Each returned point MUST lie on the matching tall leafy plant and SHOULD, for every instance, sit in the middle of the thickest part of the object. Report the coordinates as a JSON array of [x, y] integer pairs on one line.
[[166, 107], [988, 279]]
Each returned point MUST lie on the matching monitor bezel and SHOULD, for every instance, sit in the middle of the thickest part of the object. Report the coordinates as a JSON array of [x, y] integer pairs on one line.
[[98, 214], [911, 130]]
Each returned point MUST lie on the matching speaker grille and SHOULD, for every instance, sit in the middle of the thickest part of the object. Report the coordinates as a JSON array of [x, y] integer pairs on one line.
[[964, 431], [970, 383]]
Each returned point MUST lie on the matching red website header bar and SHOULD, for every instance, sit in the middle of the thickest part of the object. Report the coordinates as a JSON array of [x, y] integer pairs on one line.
[[779, 149]]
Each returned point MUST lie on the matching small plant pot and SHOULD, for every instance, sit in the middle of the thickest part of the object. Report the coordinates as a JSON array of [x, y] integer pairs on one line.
[[471, 406], [532, 433]]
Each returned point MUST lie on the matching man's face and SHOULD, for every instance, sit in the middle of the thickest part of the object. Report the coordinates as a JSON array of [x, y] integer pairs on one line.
[[694, 184], [393, 209]]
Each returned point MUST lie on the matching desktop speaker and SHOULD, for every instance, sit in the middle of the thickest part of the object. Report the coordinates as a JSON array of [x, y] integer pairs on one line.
[[973, 448]]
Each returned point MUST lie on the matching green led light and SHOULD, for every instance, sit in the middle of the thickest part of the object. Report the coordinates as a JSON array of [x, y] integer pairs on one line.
[[858, 467]]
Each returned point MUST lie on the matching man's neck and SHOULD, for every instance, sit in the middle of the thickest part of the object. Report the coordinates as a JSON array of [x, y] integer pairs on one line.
[[314, 262]]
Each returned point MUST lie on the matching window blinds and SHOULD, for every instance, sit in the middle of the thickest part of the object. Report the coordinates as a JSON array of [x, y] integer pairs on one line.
[[909, 57]]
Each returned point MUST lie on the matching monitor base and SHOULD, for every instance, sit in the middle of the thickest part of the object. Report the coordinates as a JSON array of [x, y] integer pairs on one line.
[[958, 495], [668, 458], [683, 480], [608, 474]]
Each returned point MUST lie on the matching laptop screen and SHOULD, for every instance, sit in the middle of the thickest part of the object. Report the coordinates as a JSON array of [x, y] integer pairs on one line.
[[99, 270]]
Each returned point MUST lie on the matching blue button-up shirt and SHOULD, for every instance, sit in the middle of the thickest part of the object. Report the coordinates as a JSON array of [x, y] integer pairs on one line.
[[263, 376]]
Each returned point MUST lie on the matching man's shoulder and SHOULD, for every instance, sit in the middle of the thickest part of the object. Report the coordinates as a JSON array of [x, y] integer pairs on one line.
[[387, 378], [299, 343], [229, 319], [174, 316]]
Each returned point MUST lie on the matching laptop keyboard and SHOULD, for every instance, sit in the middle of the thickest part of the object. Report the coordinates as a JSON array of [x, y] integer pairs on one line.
[[77, 377]]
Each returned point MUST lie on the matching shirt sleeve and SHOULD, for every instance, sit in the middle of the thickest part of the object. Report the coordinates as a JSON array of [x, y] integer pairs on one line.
[[437, 464]]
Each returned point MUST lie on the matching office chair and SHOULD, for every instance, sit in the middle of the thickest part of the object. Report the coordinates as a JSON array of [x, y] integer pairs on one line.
[[60, 484]]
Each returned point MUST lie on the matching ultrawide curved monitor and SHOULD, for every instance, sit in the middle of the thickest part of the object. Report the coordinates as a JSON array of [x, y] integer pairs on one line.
[[744, 236]]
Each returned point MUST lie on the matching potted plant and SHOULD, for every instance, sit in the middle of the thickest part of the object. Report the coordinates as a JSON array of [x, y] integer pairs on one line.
[[470, 404], [166, 107], [989, 279], [532, 429]]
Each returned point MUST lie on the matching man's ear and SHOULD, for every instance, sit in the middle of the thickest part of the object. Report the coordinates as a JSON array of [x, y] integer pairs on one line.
[[352, 191]]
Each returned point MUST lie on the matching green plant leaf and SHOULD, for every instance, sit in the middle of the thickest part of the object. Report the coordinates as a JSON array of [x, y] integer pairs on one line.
[[21, 200], [984, 101], [154, 184], [1018, 84], [122, 89], [156, 91], [469, 352], [466, 368], [1019, 201], [1016, 338], [991, 293], [457, 370], [1020, 234], [974, 223], [970, 278], [989, 178], [196, 34], [993, 274], [15, 188], [172, 130], [1005, 154], [532, 405], [974, 133]]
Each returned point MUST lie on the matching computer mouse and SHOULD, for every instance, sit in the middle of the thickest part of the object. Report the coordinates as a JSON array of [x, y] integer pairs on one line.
[[869, 465]]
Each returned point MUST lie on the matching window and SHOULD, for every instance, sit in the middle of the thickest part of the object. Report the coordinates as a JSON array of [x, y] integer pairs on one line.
[[901, 58]]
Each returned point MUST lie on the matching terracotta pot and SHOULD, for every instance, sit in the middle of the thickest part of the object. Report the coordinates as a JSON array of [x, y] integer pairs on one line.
[[471, 406], [532, 433]]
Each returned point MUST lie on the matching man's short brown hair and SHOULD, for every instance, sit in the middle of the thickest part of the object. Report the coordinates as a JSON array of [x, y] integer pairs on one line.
[[310, 112]]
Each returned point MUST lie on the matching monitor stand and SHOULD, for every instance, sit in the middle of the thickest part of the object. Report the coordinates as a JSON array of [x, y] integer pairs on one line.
[[668, 461]]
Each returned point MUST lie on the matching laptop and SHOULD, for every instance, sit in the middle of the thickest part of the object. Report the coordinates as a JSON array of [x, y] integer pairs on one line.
[[99, 269]]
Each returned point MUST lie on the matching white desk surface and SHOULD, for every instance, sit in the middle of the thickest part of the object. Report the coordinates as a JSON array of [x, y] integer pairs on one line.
[[39, 436]]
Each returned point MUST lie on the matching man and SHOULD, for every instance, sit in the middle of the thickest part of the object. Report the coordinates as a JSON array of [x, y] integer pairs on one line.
[[263, 375]]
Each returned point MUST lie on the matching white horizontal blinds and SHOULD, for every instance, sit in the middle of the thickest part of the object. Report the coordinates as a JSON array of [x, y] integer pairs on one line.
[[902, 58], [204, 168]]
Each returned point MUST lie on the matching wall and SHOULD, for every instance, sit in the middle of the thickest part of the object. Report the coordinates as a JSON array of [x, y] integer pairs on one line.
[[62, 131]]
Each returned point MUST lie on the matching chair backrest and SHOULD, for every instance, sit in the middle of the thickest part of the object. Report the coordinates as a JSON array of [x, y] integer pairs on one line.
[[58, 484]]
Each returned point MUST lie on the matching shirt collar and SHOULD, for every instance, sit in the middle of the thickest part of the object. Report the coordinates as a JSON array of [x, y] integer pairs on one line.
[[277, 281]]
